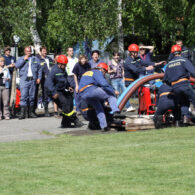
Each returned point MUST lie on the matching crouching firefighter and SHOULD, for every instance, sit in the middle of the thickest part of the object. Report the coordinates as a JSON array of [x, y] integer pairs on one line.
[[89, 114], [94, 89], [166, 100], [177, 75], [62, 94]]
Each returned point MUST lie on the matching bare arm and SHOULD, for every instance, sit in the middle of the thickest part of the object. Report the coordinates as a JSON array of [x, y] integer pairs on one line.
[[76, 83]]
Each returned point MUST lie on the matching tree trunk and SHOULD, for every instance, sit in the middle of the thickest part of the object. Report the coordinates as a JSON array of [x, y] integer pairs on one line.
[[33, 29], [120, 29]]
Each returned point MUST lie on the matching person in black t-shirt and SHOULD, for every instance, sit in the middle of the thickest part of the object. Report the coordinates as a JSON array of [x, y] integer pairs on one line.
[[79, 69]]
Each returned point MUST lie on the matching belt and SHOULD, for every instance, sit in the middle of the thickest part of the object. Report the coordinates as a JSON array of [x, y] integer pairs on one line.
[[86, 86], [166, 93], [178, 81], [29, 78], [129, 79], [86, 109]]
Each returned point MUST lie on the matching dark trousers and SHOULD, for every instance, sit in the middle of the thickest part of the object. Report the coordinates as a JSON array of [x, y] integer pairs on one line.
[[65, 102], [45, 94], [185, 94], [165, 104]]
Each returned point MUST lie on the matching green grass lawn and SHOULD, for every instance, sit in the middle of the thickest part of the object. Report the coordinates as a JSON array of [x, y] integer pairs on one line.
[[143, 162]]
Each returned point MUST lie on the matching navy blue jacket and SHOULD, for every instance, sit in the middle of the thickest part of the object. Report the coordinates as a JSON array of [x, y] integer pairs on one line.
[[134, 67], [96, 78], [57, 80], [23, 65], [44, 67], [184, 53], [178, 68]]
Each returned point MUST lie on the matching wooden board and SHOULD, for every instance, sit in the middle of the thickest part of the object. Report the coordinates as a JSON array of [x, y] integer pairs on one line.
[[135, 123]]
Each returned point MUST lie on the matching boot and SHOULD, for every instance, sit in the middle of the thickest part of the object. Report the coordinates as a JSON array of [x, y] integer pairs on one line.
[[65, 122], [22, 113], [158, 121], [76, 121], [105, 129], [31, 112], [93, 125]]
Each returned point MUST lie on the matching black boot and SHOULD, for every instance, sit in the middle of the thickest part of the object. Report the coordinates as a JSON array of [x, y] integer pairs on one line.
[[105, 129], [158, 121], [76, 121], [65, 122], [22, 113], [31, 112]]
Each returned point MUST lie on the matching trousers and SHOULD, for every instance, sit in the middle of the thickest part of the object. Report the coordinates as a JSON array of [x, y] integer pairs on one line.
[[27, 89], [4, 101], [95, 96], [185, 94]]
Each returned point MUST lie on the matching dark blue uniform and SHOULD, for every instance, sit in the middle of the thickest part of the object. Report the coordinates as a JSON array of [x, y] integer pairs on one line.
[[134, 68], [94, 89], [185, 53], [177, 75], [46, 65], [57, 83], [28, 84], [166, 100]]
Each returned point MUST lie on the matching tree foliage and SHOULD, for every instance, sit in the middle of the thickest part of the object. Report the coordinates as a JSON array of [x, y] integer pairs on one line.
[[62, 23]]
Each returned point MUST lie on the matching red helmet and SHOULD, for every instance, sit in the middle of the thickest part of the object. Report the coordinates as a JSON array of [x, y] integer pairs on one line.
[[175, 48], [103, 65], [62, 59], [133, 47]]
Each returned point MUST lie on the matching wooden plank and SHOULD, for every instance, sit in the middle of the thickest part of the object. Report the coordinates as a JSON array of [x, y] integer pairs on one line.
[[134, 123]]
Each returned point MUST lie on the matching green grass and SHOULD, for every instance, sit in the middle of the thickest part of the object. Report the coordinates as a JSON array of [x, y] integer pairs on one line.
[[144, 162]]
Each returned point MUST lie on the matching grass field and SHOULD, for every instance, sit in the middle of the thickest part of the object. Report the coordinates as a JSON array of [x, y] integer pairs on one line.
[[145, 162]]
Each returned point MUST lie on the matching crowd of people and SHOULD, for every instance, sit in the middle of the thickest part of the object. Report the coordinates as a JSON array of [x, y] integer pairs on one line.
[[69, 81]]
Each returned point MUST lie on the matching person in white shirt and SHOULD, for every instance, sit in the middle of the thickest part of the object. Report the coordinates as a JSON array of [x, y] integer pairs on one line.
[[71, 63]]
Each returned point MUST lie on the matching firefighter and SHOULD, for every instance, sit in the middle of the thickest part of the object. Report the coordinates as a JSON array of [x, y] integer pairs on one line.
[[134, 66], [30, 75], [62, 94], [166, 100], [185, 52], [46, 64], [177, 75], [94, 89]]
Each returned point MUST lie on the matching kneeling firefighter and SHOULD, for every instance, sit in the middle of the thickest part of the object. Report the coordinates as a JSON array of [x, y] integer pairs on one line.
[[94, 89], [62, 94], [89, 114]]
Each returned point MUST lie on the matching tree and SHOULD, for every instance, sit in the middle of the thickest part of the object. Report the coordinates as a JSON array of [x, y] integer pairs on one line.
[[74, 21]]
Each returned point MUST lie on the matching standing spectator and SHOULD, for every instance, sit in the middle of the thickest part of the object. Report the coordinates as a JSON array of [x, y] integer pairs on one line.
[[71, 63], [46, 64], [80, 68], [95, 58], [9, 60], [185, 53], [116, 71], [4, 90], [30, 75], [145, 55]]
